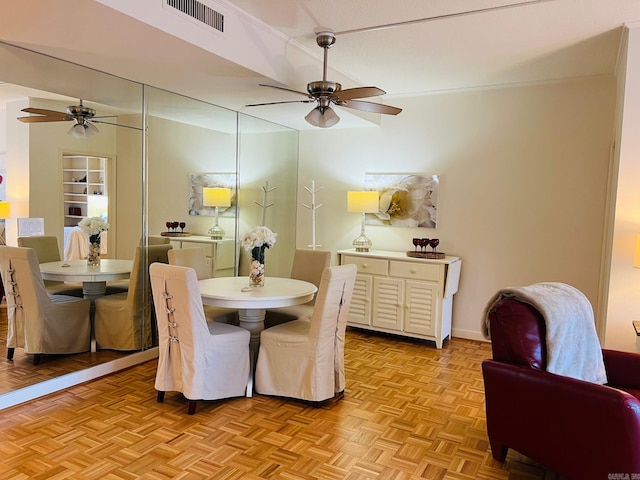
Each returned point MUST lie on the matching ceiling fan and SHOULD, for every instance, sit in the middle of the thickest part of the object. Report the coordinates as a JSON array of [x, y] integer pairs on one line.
[[84, 118], [326, 92]]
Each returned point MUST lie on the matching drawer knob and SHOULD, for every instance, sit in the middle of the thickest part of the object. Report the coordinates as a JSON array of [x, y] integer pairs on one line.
[[413, 270], [364, 265]]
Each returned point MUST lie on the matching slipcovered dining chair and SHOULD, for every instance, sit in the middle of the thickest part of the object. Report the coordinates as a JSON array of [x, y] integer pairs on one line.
[[304, 359], [551, 392], [203, 360], [37, 322], [195, 258], [123, 321], [47, 250], [308, 265]]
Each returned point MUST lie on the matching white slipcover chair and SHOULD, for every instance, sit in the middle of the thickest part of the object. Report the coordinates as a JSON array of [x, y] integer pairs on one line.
[[123, 321], [195, 258], [77, 247], [47, 250], [203, 360], [308, 265], [37, 322], [304, 359]]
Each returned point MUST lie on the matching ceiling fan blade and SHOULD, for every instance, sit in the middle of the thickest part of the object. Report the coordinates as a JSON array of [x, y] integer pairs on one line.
[[370, 107], [286, 89], [114, 124], [44, 119], [277, 103], [358, 92], [43, 111]]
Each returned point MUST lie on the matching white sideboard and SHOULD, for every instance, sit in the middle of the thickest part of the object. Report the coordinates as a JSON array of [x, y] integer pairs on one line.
[[403, 295], [221, 254]]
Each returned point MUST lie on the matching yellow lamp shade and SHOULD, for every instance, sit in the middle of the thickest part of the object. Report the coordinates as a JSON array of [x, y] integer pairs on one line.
[[216, 197], [5, 210], [362, 202]]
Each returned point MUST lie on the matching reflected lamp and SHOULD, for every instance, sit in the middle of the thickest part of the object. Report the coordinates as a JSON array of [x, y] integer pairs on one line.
[[362, 202], [216, 197], [5, 213]]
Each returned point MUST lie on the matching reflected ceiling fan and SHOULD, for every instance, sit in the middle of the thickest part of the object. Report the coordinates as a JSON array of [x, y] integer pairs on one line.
[[84, 118], [326, 92]]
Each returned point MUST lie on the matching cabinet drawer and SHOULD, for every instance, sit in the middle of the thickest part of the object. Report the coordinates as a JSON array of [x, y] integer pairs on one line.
[[372, 266], [410, 270]]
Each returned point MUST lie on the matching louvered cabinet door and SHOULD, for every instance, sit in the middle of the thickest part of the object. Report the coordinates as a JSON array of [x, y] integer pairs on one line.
[[421, 314], [360, 309], [388, 295]]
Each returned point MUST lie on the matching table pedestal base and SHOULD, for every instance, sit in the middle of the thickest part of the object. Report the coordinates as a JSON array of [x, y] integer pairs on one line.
[[252, 320], [91, 291]]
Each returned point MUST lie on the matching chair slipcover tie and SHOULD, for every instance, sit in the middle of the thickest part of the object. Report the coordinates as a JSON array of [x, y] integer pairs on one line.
[[169, 310]]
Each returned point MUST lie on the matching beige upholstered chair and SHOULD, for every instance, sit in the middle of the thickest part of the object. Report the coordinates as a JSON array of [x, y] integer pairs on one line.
[[203, 360], [47, 250], [308, 265], [37, 322], [196, 259], [304, 359], [123, 321]]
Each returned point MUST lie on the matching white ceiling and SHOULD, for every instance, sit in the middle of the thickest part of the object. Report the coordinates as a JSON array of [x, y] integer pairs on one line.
[[527, 41]]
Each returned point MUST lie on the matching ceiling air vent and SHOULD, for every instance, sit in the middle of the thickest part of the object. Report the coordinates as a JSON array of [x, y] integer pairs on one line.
[[200, 12]]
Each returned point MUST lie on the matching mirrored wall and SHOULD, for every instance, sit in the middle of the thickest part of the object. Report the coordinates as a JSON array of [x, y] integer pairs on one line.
[[157, 151]]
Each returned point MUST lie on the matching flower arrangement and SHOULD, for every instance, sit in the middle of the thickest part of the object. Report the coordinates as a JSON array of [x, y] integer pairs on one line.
[[93, 227], [256, 241]]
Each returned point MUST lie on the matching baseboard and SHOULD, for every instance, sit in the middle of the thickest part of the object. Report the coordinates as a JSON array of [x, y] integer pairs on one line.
[[46, 387], [468, 334]]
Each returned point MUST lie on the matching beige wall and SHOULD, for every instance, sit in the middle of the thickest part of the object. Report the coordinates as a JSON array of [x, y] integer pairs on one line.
[[523, 183], [624, 282]]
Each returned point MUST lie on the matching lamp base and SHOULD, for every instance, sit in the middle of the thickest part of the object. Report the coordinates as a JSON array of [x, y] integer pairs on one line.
[[216, 232], [362, 244]]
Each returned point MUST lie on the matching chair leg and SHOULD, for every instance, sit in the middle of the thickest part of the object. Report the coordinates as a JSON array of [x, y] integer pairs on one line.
[[160, 397], [10, 352], [192, 406], [36, 359], [498, 450]]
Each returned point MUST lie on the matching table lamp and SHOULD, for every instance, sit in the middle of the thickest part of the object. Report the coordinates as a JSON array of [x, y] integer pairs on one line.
[[216, 197], [362, 202], [5, 213]]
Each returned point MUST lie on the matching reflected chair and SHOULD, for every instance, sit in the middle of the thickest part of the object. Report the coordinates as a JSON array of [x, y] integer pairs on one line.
[[203, 360], [123, 321], [304, 359], [47, 250], [576, 428], [40, 323], [308, 265], [195, 258]]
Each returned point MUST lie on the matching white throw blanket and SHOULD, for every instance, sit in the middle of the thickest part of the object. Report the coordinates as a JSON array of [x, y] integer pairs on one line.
[[573, 349]]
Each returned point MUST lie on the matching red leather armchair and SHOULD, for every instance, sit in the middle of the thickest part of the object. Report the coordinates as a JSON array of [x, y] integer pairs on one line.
[[575, 428]]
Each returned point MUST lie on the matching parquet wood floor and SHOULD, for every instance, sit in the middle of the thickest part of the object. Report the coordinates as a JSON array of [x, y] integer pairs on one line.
[[409, 412]]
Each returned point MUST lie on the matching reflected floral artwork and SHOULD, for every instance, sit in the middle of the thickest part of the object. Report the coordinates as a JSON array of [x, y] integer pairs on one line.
[[406, 199], [201, 180]]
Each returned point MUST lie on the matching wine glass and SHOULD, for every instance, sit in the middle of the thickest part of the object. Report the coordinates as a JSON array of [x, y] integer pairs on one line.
[[434, 242], [423, 243], [175, 225], [168, 224], [416, 242], [182, 225]]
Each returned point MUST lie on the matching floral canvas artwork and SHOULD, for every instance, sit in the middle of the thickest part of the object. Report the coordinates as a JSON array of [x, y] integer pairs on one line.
[[405, 200], [215, 180]]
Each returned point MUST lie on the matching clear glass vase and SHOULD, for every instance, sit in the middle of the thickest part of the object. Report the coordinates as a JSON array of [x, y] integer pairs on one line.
[[93, 257], [256, 274]]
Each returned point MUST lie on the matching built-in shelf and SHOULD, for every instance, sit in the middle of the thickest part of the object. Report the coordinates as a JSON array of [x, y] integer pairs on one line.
[[84, 187]]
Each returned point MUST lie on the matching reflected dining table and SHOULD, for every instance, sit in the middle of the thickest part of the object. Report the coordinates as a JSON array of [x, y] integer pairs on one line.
[[94, 278], [234, 292]]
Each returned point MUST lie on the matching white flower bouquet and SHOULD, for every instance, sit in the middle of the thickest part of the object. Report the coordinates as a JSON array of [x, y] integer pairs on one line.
[[93, 227], [259, 237]]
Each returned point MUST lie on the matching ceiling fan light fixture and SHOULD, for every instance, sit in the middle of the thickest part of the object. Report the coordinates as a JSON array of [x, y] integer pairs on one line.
[[323, 117], [82, 130]]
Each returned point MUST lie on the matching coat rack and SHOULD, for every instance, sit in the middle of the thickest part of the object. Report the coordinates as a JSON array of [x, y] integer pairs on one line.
[[265, 192], [313, 207]]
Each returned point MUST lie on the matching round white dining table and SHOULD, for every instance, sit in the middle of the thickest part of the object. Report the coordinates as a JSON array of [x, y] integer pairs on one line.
[[94, 278], [233, 292]]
